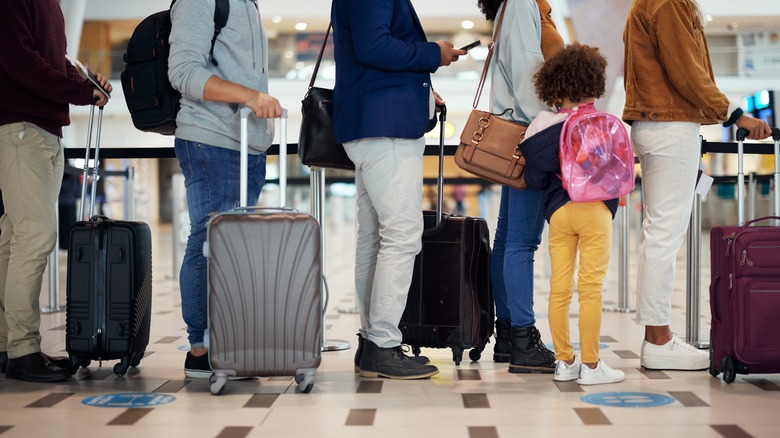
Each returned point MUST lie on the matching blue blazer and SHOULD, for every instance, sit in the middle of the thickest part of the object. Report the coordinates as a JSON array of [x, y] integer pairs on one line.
[[383, 70]]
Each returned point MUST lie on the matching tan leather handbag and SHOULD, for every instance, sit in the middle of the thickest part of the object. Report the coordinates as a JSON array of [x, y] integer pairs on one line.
[[488, 144]]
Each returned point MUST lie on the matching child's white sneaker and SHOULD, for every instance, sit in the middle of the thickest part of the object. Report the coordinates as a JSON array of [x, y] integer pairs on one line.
[[567, 373], [600, 375]]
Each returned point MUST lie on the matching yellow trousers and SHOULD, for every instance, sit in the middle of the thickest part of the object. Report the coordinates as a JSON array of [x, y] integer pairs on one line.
[[586, 226]]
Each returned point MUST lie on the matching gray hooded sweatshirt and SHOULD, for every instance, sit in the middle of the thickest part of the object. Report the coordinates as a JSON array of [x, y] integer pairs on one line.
[[241, 50]]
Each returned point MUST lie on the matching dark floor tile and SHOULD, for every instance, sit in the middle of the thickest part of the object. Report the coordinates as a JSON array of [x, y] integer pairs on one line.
[[168, 340], [592, 416], [764, 384], [607, 339], [688, 399], [172, 386], [50, 400], [4, 429], [360, 417], [235, 432], [261, 401], [653, 374], [626, 354], [130, 416], [483, 432], [58, 328], [571, 386], [475, 401], [369, 387], [469, 375], [730, 431]]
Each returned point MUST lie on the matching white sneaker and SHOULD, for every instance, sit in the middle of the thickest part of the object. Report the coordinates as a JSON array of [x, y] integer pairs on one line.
[[567, 373], [600, 375], [674, 355]]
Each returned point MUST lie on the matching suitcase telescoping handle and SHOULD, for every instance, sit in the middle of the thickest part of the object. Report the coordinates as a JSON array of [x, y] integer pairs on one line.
[[440, 177], [85, 175], [741, 135], [245, 112]]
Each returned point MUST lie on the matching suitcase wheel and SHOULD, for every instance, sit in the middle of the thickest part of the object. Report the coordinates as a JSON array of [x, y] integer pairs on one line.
[[457, 354], [305, 381], [121, 368], [217, 384], [713, 369], [136, 360], [475, 354], [729, 369]]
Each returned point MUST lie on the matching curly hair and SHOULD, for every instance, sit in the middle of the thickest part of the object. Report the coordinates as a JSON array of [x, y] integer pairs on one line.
[[577, 72], [489, 8]]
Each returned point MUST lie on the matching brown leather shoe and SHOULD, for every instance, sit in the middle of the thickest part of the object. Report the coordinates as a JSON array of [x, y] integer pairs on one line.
[[34, 367]]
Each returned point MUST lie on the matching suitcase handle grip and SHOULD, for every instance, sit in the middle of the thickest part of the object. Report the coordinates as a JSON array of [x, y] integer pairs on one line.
[[265, 209], [765, 218]]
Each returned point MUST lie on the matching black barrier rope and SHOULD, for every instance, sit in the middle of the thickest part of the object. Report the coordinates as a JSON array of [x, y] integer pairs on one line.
[[433, 150]]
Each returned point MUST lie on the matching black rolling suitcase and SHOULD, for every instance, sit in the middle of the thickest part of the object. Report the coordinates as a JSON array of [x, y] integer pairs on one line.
[[450, 302], [109, 286]]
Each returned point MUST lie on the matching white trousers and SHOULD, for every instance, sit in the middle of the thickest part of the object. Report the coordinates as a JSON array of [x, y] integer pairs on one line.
[[388, 179], [669, 154]]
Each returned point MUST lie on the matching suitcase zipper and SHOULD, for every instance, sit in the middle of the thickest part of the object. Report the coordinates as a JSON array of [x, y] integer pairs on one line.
[[731, 281], [745, 259], [729, 240]]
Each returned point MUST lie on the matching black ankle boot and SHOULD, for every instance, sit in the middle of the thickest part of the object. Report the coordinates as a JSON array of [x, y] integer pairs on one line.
[[529, 355], [391, 363], [503, 347]]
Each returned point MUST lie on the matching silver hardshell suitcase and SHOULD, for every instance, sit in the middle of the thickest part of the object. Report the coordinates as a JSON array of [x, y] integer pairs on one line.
[[264, 288]]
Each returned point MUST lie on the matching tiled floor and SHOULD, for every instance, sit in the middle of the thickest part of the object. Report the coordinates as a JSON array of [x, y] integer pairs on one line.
[[477, 400]]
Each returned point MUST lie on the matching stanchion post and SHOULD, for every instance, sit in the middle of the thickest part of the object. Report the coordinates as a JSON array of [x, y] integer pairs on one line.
[[317, 182], [693, 271], [130, 194], [623, 275]]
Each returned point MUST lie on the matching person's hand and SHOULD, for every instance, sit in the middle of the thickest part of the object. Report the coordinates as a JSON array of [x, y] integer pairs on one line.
[[757, 128], [265, 106], [437, 98], [449, 53], [100, 98]]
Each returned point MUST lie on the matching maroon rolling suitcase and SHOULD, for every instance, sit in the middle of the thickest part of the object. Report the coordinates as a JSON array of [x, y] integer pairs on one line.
[[745, 288], [450, 301]]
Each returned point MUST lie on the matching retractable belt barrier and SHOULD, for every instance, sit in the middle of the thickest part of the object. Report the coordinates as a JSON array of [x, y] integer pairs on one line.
[[693, 259]]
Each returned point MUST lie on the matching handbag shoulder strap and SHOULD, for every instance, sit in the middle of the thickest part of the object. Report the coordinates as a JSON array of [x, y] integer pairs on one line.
[[492, 47], [319, 58]]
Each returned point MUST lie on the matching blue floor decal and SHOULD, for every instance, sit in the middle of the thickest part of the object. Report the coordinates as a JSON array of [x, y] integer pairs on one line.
[[128, 400], [628, 399]]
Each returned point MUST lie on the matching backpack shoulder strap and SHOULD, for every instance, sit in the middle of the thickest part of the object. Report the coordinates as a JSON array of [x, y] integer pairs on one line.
[[221, 14]]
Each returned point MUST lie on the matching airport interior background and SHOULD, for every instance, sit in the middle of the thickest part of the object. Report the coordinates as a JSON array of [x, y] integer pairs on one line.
[[477, 399]]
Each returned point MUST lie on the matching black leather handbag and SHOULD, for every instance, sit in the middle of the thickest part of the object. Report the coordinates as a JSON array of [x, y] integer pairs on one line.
[[316, 145]]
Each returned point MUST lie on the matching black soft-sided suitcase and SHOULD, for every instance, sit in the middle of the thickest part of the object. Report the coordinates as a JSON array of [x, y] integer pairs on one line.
[[109, 286], [450, 302]]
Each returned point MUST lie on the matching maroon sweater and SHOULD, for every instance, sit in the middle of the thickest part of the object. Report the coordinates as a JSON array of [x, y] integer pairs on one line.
[[36, 82]]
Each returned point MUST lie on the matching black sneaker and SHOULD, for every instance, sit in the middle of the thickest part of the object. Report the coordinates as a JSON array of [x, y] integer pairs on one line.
[[197, 367]]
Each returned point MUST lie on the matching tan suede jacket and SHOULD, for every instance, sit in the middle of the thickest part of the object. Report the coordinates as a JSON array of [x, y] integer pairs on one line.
[[668, 74]]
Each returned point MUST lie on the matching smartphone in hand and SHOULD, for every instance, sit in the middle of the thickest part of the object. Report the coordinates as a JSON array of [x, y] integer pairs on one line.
[[470, 46]]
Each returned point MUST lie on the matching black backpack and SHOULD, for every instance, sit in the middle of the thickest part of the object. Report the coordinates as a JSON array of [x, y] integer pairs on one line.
[[152, 101]]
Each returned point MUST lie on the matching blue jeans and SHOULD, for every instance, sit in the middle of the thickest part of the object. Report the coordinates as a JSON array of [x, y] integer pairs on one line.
[[211, 176], [518, 234]]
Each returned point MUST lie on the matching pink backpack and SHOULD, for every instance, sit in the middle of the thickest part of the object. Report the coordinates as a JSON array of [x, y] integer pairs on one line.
[[597, 160]]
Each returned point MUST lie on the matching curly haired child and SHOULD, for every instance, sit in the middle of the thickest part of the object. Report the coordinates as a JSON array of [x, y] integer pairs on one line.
[[570, 81]]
